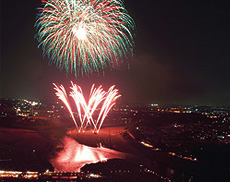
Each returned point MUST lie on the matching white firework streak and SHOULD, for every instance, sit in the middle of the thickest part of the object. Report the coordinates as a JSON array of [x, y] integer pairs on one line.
[[98, 99], [61, 94]]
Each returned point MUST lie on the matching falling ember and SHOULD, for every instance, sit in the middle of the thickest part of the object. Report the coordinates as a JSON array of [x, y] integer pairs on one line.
[[98, 98], [74, 156]]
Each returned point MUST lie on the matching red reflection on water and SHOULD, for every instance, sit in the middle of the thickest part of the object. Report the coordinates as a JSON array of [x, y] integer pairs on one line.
[[74, 156]]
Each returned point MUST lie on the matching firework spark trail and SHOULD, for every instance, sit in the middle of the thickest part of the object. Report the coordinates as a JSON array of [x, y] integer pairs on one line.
[[98, 98], [80, 102], [61, 94], [76, 94], [112, 95], [85, 36]]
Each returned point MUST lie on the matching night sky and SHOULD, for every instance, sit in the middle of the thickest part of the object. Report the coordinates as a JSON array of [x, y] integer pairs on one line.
[[181, 55]]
